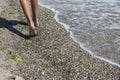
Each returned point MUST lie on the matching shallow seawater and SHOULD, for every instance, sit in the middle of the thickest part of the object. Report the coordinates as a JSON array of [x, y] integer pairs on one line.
[[94, 24]]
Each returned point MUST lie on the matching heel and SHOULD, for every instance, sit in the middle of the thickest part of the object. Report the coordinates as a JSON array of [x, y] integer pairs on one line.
[[33, 32]]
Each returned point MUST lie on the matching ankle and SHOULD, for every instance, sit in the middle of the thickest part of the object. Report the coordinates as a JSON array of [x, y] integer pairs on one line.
[[31, 25], [35, 22]]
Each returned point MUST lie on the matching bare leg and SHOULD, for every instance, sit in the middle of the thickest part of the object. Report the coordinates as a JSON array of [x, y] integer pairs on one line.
[[26, 9], [34, 5]]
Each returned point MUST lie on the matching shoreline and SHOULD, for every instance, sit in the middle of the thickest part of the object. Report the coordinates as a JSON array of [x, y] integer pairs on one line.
[[71, 35], [52, 54]]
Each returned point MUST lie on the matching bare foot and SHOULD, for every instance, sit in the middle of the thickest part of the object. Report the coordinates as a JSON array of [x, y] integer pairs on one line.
[[32, 30]]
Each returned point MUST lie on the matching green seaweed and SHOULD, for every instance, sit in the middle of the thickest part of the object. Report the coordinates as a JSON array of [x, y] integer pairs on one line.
[[17, 58], [24, 77], [44, 65], [84, 62], [2, 48], [10, 52], [11, 13], [10, 4], [3, 11]]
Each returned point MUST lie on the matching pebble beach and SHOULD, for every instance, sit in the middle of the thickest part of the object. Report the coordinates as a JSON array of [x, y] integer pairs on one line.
[[52, 55]]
